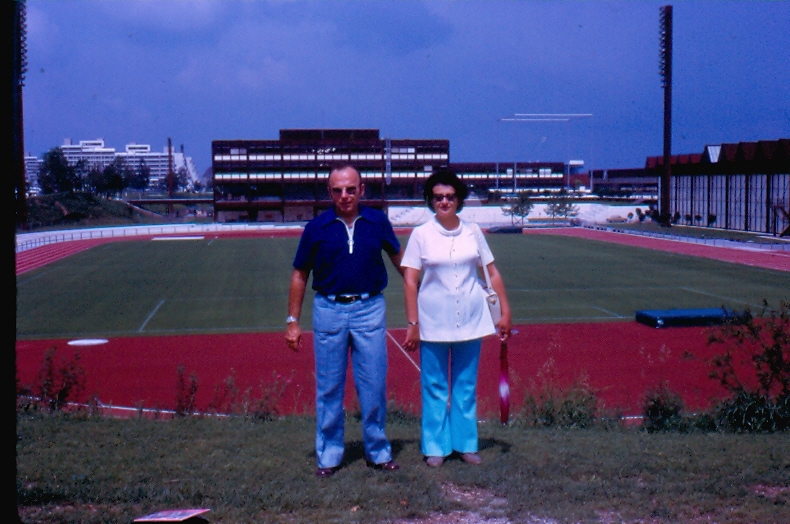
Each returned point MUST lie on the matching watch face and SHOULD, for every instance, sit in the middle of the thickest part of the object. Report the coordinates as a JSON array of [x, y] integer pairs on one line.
[[290, 319]]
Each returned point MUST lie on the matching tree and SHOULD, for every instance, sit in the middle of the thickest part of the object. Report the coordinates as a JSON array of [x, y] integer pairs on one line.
[[139, 178], [519, 208], [55, 175], [115, 176], [561, 205], [182, 179]]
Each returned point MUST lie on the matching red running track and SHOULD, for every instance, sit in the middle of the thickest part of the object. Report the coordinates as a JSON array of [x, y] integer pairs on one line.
[[620, 360]]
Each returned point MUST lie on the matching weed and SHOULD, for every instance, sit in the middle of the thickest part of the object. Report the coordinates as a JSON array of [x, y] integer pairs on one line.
[[264, 405], [186, 389], [226, 395], [552, 406], [661, 408], [58, 382]]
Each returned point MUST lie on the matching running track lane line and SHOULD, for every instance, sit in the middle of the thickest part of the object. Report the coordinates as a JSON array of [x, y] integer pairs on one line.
[[413, 363], [151, 315]]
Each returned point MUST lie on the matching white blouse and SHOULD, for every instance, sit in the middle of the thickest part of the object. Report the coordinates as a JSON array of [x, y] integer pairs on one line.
[[451, 298]]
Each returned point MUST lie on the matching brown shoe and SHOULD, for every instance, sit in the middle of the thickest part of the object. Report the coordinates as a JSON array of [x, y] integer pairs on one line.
[[325, 472], [387, 466], [434, 462], [471, 458]]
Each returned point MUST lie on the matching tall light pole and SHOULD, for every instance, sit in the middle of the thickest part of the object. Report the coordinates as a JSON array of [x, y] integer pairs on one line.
[[665, 69]]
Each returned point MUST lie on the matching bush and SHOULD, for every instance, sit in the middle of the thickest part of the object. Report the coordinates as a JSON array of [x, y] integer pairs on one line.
[[661, 408], [755, 369]]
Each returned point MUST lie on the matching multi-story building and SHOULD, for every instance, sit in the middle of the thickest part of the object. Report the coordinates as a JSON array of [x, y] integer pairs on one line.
[[285, 179], [32, 165], [98, 155]]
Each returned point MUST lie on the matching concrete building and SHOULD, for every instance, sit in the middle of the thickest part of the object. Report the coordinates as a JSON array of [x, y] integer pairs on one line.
[[285, 179], [98, 155], [32, 165]]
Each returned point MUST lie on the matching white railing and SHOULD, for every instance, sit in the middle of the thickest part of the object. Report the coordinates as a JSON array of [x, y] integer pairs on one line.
[[27, 241], [719, 242]]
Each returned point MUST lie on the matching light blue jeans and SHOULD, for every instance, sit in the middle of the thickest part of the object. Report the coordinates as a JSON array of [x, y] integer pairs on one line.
[[443, 429], [362, 326]]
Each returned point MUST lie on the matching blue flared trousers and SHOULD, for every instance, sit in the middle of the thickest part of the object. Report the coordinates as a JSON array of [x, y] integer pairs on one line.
[[454, 428], [360, 325]]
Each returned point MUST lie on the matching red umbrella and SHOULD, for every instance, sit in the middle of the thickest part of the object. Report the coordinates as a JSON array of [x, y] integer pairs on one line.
[[504, 386]]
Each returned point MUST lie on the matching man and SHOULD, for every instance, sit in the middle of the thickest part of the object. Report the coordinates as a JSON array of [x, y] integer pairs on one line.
[[343, 249]]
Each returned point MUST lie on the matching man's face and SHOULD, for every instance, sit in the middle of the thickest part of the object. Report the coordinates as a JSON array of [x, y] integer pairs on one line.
[[346, 188]]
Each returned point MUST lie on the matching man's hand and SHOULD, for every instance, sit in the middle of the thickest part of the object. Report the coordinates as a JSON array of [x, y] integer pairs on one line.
[[293, 333], [293, 336]]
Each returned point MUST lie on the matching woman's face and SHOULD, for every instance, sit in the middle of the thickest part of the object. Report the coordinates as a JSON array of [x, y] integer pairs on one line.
[[445, 201]]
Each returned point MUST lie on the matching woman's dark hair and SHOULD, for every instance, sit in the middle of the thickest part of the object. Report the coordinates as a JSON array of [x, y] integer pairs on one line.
[[445, 177]]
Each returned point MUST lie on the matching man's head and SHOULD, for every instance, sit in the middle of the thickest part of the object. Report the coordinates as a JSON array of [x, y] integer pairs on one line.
[[346, 188]]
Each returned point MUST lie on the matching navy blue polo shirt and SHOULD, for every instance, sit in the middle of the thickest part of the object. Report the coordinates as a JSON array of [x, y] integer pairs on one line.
[[324, 250]]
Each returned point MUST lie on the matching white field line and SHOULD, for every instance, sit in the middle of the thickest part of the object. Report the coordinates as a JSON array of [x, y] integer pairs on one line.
[[607, 311], [165, 239], [413, 363], [721, 297], [151, 315]]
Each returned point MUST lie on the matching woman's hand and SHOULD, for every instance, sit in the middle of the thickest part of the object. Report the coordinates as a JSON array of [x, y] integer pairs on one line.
[[503, 327], [412, 341]]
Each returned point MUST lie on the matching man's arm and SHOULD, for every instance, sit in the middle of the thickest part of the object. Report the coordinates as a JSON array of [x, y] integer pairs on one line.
[[293, 333], [396, 259]]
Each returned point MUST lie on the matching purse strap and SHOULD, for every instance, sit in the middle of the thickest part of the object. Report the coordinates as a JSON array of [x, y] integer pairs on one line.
[[478, 235]]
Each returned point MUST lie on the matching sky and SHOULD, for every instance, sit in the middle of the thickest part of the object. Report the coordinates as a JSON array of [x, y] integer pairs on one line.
[[140, 71]]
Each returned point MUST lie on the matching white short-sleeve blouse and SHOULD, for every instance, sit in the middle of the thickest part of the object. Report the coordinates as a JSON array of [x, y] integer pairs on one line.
[[451, 299]]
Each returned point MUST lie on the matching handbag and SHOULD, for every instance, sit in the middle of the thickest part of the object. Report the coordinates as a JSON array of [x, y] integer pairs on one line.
[[491, 297]]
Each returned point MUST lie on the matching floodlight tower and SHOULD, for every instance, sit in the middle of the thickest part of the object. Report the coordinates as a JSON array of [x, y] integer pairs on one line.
[[18, 81], [665, 69]]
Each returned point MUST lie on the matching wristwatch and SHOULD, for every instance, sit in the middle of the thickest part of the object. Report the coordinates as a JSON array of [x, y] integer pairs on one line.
[[290, 319]]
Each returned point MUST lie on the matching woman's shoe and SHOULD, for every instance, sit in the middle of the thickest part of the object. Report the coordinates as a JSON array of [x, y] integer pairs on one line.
[[471, 458], [434, 462]]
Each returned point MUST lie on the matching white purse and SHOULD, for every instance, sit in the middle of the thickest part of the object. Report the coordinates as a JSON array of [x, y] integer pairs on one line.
[[491, 297]]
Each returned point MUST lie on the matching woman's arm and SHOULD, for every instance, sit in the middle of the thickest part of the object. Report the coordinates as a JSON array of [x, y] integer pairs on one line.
[[504, 325], [411, 282]]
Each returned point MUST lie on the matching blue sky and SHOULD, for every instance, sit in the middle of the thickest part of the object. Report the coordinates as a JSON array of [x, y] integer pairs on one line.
[[145, 70]]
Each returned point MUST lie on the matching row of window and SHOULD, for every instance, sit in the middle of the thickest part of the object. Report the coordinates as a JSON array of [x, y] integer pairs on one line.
[[371, 174], [311, 157]]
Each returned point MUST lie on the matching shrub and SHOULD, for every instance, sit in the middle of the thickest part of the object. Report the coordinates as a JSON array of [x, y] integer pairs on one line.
[[755, 369], [661, 408]]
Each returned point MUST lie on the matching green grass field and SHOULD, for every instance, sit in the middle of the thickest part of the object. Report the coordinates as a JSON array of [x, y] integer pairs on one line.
[[241, 285]]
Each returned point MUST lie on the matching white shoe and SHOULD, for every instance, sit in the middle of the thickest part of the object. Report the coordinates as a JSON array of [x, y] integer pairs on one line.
[[434, 462], [471, 458]]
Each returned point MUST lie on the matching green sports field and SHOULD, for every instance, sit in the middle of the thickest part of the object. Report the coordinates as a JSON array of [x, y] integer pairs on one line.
[[220, 285]]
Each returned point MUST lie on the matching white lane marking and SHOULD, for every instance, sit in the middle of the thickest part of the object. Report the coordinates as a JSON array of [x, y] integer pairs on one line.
[[87, 342], [178, 238], [151, 315], [723, 297], [413, 363], [607, 311]]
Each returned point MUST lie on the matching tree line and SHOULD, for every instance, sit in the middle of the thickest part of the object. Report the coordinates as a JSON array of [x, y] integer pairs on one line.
[[56, 175]]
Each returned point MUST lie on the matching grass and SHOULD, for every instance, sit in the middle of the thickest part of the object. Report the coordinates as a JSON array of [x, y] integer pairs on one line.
[[81, 469], [241, 285]]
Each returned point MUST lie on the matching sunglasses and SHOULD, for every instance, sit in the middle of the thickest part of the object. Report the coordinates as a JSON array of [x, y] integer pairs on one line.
[[449, 197], [338, 191]]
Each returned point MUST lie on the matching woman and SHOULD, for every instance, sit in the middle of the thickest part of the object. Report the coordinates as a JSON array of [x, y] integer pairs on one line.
[[448, 318]]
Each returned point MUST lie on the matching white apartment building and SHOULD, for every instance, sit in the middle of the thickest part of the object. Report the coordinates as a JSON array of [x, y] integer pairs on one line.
[[32, 164], [98, 155]]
